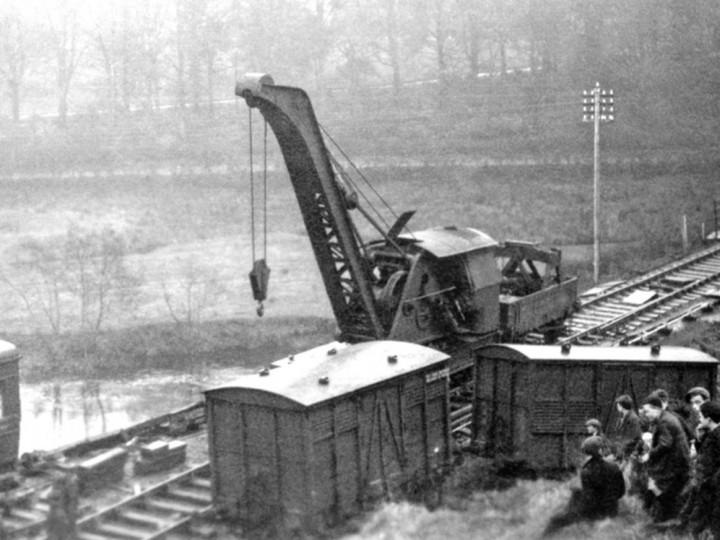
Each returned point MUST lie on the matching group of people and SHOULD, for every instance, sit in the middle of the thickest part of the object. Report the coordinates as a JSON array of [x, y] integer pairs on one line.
[[667, 453]]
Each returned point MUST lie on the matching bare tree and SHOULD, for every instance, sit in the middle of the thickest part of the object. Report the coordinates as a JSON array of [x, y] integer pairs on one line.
[[74, 282], [97, 275], [14, 45], [470, 33], [36, 275], [188, 297], [65, 40]]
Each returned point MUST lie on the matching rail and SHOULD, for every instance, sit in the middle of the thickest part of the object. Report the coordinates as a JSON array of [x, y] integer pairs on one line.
[[673, 292], [154, 513]]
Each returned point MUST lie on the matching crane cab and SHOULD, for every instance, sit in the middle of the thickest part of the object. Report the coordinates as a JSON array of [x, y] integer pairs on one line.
[[446, 282]]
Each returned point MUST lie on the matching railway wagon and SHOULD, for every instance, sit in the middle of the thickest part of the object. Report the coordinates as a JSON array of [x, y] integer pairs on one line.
[[531, 401], [9, 405], [522, 314], [308, 443]]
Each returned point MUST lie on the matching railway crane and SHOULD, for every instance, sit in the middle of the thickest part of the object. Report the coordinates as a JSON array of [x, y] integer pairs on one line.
[[437, 286]]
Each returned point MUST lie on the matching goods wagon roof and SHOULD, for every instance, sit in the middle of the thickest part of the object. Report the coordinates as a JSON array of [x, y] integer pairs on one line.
[[336, 369], [602, 354], [448, 241]]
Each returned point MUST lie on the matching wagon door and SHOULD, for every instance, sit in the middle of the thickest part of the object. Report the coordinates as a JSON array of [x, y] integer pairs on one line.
[[383, 455], [563, 398], [336, 466]]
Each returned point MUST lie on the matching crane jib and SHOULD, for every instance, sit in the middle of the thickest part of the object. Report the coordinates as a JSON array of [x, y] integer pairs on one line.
[[323, 205]]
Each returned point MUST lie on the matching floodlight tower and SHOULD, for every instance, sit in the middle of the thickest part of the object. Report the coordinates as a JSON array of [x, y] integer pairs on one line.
[[598, 106]]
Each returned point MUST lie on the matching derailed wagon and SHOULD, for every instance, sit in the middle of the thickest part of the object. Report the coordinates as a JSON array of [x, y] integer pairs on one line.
[[310, 442], [531, 401]]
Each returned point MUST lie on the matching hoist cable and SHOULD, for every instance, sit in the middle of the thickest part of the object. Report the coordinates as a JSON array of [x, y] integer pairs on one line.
[[359, 173], [252, 184], [265, 191], [346, 177]]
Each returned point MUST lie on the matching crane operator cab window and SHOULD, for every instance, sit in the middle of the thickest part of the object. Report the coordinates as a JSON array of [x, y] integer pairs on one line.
[[471, 281]]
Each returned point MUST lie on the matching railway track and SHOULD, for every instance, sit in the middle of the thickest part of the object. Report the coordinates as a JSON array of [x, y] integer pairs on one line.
[[156, 512], [636, 310]]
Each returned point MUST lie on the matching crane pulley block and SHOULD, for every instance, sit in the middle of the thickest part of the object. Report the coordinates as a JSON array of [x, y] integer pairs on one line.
[[259, 280]]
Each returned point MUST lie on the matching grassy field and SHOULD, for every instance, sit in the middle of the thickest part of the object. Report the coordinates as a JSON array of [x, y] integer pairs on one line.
[[170, 222], [518, 513]]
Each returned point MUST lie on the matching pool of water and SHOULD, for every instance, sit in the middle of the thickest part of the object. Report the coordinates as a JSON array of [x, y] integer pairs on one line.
[[59, 413]]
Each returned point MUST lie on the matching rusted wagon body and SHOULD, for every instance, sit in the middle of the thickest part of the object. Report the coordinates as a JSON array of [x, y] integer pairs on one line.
[[531, 401], [9, 405], [312, 440], [522, 314]]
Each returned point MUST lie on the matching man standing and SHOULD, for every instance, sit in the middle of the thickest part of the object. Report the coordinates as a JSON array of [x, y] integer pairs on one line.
[[593, 428], [685, 422], [702, 503], [668, 461], [602, 486], [697, 396], [627, 434]]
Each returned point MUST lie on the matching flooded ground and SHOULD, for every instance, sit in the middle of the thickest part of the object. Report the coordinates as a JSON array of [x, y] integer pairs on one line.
[[59, 413]]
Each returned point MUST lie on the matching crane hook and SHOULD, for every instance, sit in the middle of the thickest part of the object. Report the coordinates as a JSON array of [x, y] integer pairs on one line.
[[259, 281]]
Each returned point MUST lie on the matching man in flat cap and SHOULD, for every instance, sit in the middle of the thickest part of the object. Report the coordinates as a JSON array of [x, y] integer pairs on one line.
[[593, 428], [602, 486], [668, 461], [697, 396], [701, 510]]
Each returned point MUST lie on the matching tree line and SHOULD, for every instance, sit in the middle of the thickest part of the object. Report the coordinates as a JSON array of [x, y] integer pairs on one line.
[[144, 55]]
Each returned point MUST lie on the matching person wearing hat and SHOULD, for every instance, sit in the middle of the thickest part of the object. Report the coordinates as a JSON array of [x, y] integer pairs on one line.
[[676, 409], [667, 462], [697, 396], [701, 510], [694, 398], [601, 487], [627, 433], [593, 428]]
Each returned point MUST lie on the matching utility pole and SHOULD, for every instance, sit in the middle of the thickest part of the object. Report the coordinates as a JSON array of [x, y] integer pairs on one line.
[[598, 107]]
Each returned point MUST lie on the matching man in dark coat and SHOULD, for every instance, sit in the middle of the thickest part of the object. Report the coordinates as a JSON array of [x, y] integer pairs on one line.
[[602, 486], [701, 510], [668, 461], [695, 397], [685, 422], [627, 433]]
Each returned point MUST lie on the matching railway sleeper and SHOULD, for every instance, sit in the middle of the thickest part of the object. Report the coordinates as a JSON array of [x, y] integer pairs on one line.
[[139, 516], [120, 531], [615, 304], [189, 494], [609, 305], [697, 270], [84, 535], [171, 506], [202, 482], [30, 516], [17, 523], [584, 314]]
